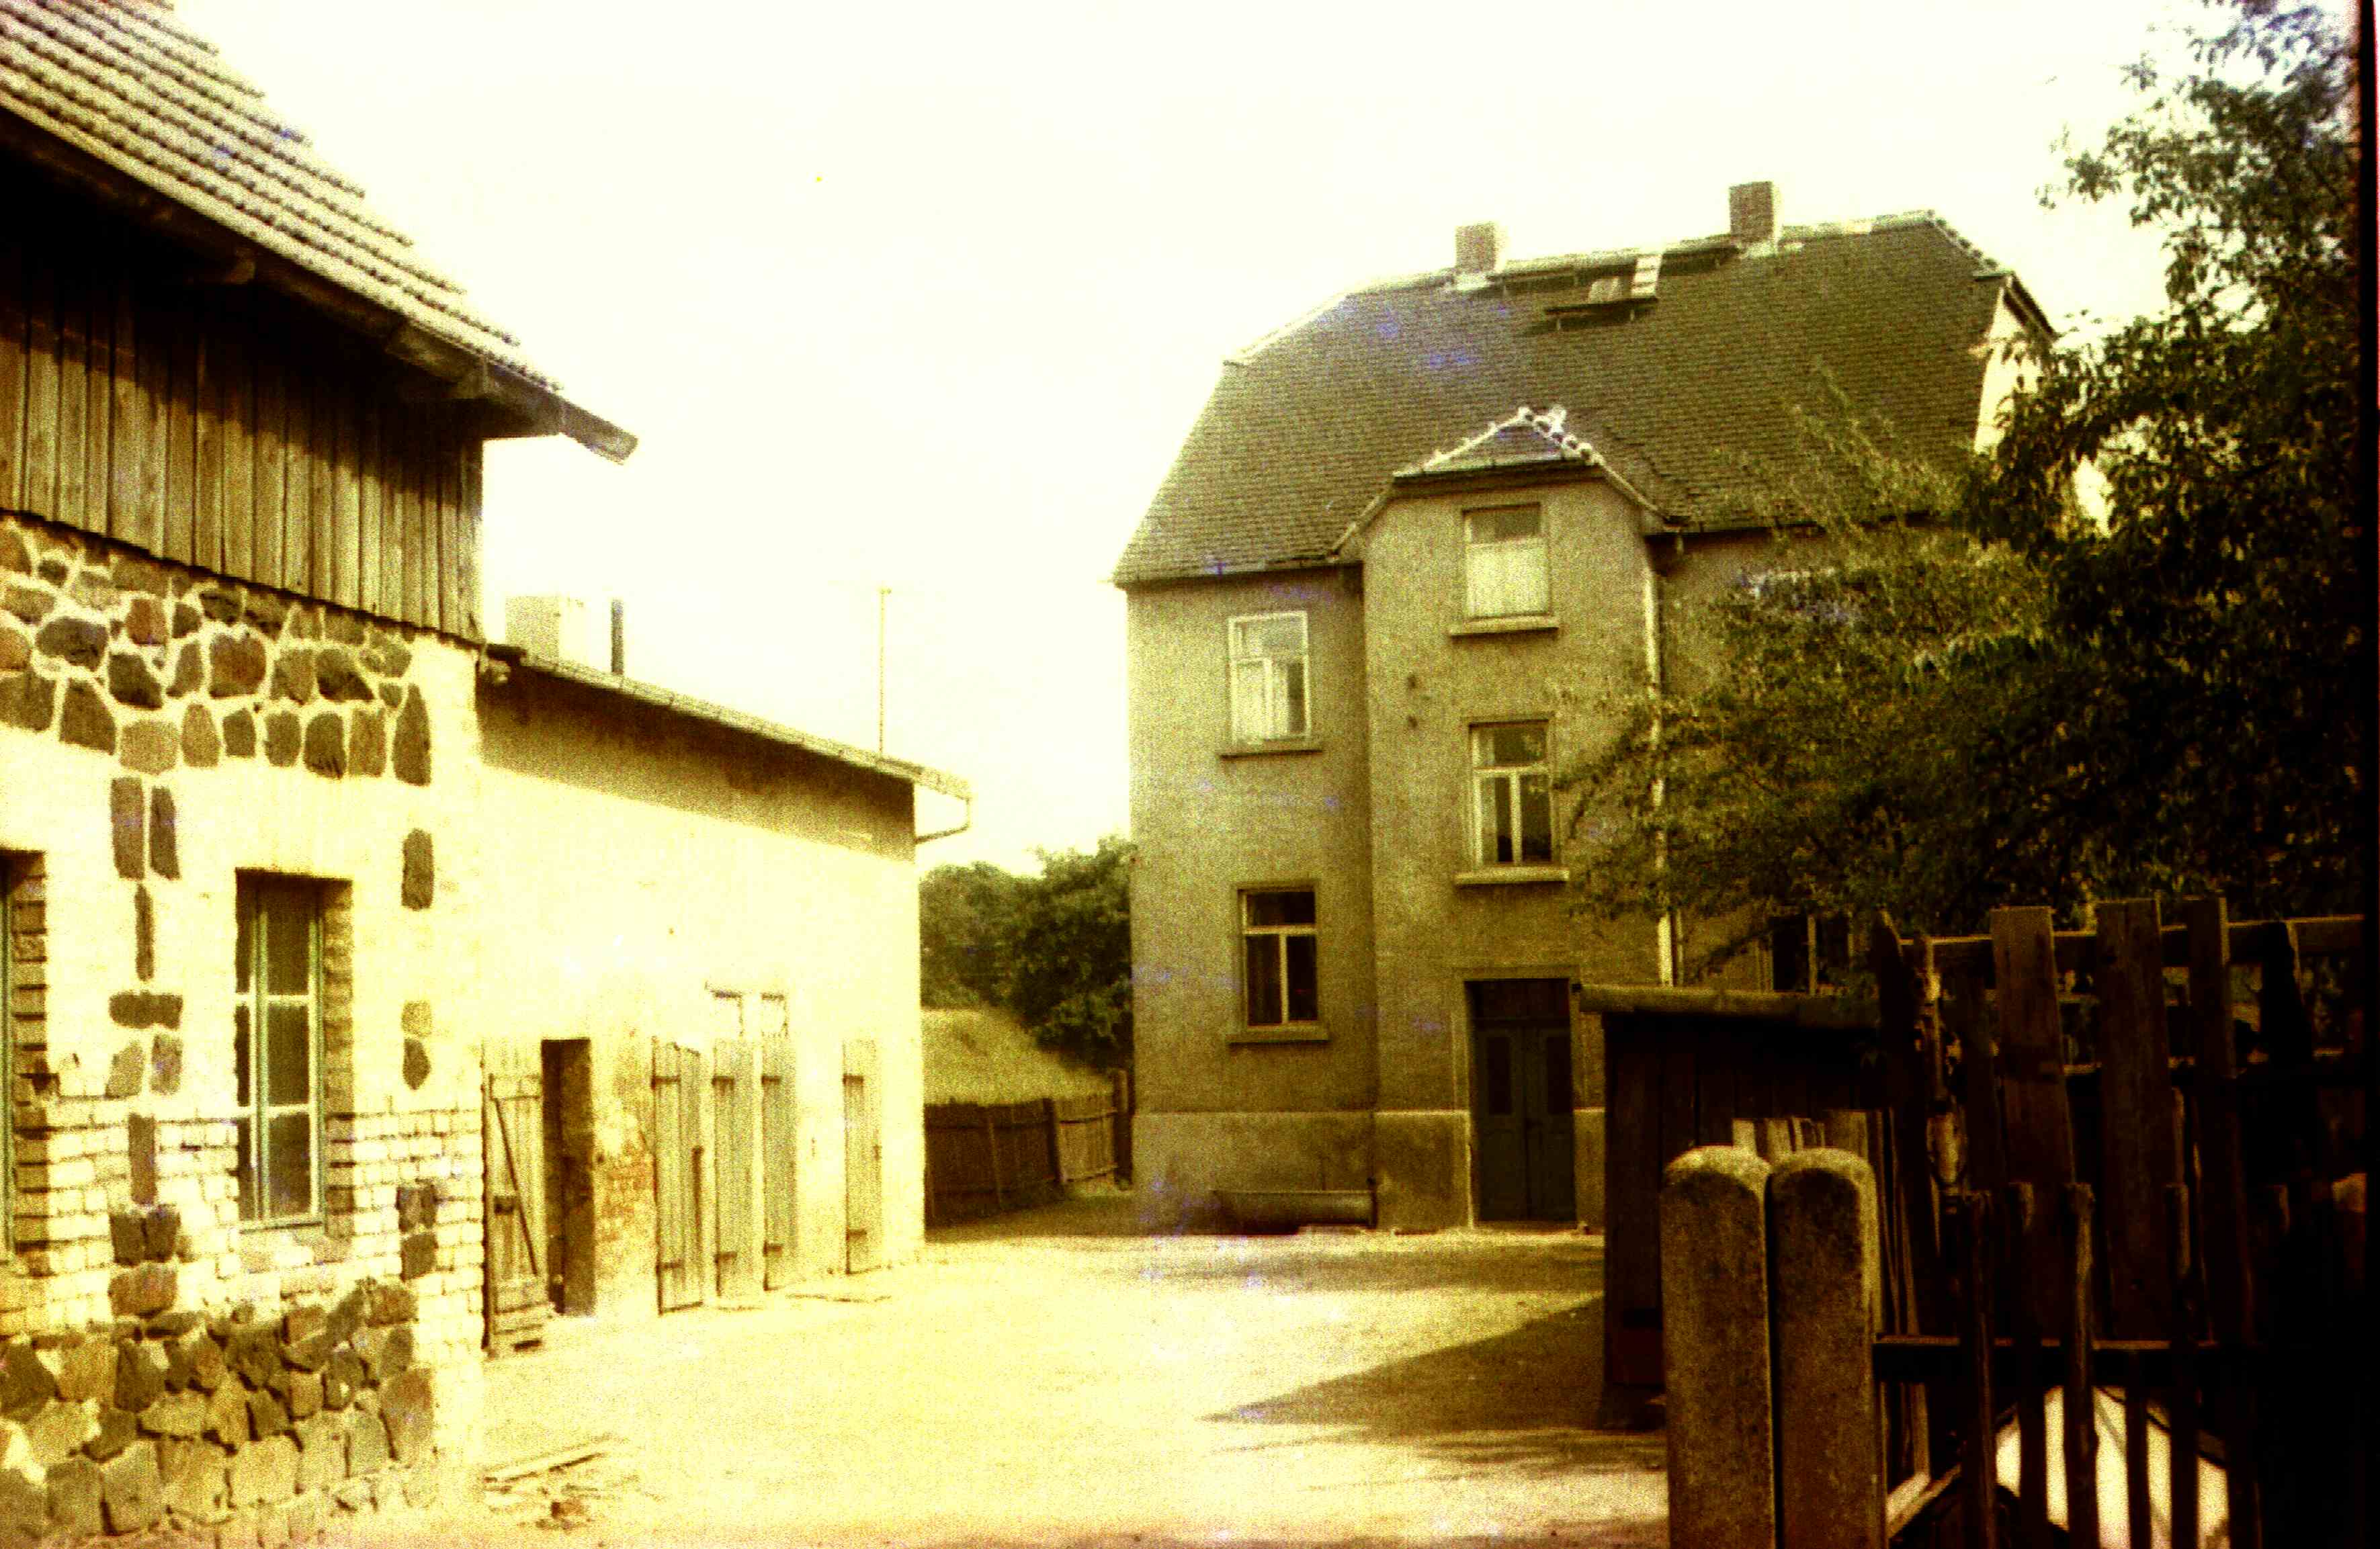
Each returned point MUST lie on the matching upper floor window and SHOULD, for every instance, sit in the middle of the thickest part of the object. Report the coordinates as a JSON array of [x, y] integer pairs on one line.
[[1504, 562], [1268, 677], [1278, 947], [1512, 801], [277, 1049]]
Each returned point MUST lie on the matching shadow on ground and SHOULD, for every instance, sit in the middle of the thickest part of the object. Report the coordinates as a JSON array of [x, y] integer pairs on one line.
[[1523, 1399]]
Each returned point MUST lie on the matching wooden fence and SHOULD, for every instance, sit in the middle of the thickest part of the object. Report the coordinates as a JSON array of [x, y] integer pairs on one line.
[[2113, 1274], [982, 1158]]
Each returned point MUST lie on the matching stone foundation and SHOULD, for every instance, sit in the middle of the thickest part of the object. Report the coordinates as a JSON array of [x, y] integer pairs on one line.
[[240, 1428]]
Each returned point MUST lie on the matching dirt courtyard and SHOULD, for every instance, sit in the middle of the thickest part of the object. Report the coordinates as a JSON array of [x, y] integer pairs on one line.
[[1051, 1377]]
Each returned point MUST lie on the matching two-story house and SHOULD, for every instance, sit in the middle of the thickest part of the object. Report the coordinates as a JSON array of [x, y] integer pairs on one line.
[[1412, 542]]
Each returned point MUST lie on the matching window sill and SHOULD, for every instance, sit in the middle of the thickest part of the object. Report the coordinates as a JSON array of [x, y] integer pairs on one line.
[[1308, 1033], [1263, 750], [1511, 876], [1518, 623]]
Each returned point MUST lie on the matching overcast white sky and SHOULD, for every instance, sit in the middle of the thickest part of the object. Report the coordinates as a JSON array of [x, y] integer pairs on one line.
[[925, 297]]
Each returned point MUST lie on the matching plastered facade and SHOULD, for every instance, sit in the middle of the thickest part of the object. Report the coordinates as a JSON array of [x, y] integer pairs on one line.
[[656, 879]]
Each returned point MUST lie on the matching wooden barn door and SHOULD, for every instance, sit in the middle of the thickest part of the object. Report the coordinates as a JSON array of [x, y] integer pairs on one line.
[[735, 1130], [863, 1159], [779, 1254], [677, 1175], [513, 1199]]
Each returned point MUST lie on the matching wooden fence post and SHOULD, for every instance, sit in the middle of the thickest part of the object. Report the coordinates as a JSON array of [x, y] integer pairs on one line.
[[1824, 1225], [1714, 1346]]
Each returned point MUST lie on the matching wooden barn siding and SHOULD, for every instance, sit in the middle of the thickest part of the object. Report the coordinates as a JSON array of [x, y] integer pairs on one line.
[[216, 425]]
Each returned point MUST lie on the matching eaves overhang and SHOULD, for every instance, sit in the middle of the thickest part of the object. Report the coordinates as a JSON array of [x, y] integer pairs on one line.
[[519, 403], [500, 661]]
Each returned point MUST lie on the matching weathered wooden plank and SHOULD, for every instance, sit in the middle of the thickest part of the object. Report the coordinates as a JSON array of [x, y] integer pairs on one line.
[[410, 475], [323, 480], [128, 440], [1980, 1432], [12, 371], [271, 433], [2181, 1403], [98, 391], [73, 506], [207, 507], [1631, 1188], [2317, 936], [1715, 1087], [2019, 1269], [181, 421], [300, 383], [154, 362], [468, 554], [2036, 1128], [238, 449], [368, 503], [449, 601], [41, 454], [2138, 1160], [2223, 1197], [1910, 1100], [346, 505], [2079, 1399], [396, 423]]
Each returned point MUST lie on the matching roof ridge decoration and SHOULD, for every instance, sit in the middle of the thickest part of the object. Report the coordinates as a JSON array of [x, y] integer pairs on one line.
[[123, 97], [1549, 426]]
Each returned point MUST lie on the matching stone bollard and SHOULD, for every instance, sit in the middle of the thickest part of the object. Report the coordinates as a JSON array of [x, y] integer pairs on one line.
[[1821, 1226], [1715, 1348]]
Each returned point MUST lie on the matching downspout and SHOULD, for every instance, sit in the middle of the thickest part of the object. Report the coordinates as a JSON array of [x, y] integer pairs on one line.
[[1659, 638], [963, 824]]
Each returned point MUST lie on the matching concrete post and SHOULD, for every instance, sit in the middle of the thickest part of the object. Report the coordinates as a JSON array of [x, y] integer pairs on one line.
[[1821, 1226], [1715, 1349]]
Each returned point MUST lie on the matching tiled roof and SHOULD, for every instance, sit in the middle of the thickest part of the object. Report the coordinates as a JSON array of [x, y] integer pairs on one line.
[[1689, 395], [125, 82]]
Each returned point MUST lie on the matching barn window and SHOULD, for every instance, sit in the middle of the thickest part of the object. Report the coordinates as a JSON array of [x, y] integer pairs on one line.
[[1277, 934], [277, 1049]]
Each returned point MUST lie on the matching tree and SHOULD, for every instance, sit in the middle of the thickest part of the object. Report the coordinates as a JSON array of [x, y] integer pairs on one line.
[[1054, 950], [1978, 692]]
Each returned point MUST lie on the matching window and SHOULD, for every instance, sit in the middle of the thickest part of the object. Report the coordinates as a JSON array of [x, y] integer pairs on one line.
[[1268, 677], [277, 1049], [1276, 933], [1513, 805], [1504, 562]]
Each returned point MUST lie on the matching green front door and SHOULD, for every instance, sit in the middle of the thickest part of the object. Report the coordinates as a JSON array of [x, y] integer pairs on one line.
[[1520, 1100]]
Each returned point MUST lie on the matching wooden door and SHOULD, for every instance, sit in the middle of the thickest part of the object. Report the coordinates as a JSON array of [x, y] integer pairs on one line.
[[736, 1131], [514, 1199], [863, 1159], [1523, 1145], [677, 1175], [779, 1251]]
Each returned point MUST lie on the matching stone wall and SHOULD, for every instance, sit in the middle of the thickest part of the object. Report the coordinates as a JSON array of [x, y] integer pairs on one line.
[[242, 1427], [157, 666], [166, 732]]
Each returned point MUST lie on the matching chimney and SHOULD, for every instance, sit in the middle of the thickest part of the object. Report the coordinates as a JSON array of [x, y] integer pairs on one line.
[[1751, 214], [1478, 249], [619, 638], [553, 628]]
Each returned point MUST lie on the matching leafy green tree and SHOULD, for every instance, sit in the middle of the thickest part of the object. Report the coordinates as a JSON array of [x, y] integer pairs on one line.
[[1054, 950], [1070, 965], [1965, 688], [965, 916]]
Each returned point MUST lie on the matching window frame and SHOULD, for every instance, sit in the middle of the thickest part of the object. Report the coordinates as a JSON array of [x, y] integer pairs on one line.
[[1281, 935], [1513, 778], [1474, 548], [253, 1168], [1274, 673]]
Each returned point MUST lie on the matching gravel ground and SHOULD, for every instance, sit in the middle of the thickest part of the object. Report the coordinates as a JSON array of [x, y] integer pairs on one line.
[[1052, 1378]]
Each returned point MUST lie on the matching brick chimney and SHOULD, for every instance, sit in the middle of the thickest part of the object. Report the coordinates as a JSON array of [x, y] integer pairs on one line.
[[1752, 214], [1478, 249]]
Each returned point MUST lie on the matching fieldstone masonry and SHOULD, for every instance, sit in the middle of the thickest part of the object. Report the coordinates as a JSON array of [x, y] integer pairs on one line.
[[152, 663], [225, 1425]]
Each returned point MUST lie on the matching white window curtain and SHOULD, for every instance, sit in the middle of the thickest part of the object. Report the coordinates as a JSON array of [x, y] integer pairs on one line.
[[1506, 578], [1269, 697]]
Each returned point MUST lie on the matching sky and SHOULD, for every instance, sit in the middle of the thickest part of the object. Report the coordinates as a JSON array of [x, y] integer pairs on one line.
[[925, 297]]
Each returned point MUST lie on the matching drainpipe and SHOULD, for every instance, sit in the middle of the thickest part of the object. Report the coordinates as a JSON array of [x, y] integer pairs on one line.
[[964, 825]]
